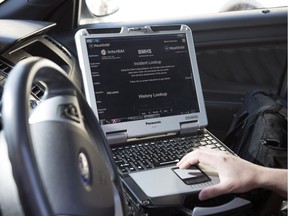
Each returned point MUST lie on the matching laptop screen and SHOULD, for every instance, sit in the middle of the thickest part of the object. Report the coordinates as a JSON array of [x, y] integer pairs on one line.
[[141, 77], [142, 82]]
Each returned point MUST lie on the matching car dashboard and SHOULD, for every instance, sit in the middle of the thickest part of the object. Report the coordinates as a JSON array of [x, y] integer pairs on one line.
[[35, 41]]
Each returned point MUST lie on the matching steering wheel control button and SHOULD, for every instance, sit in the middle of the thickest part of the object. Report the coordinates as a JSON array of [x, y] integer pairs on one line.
[[84, 170], [69, 111]]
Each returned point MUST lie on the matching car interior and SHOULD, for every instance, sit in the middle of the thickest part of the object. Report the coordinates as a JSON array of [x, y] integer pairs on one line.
[[55, 158]]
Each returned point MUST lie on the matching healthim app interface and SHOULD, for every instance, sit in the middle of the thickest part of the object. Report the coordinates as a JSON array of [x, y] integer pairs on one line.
[[141, 77]]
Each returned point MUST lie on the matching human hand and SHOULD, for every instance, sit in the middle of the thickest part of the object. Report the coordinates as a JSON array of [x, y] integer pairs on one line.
[[236, 175]]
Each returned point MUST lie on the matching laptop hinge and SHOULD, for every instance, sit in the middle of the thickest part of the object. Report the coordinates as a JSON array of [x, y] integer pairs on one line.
[[189, 127], [117, 137]]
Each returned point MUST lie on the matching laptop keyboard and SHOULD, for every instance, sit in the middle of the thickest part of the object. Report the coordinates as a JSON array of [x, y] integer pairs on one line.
[[147, 155]]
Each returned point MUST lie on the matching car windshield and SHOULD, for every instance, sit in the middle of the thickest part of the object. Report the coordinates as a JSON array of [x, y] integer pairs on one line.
[[95, 11]]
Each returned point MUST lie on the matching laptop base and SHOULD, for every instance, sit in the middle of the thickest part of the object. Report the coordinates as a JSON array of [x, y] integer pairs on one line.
[[229, 205]]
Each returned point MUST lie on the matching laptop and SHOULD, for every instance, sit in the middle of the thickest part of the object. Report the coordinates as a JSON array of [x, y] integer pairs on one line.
[[143, 85]]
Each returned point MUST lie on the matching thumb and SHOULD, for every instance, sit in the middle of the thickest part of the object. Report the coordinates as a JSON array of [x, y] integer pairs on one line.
[[212, 191]]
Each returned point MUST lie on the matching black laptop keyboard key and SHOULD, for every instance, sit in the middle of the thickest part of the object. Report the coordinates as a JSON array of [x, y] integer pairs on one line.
[[142, 156], [168, 162]]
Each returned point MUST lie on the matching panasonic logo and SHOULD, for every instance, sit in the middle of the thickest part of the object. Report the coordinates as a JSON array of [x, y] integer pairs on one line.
[[153, 123]]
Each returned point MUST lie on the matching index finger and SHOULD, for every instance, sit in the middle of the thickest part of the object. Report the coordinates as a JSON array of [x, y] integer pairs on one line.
[[203, 155]]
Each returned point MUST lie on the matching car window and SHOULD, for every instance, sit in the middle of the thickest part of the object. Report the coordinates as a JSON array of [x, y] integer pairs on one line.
[[96, 11]]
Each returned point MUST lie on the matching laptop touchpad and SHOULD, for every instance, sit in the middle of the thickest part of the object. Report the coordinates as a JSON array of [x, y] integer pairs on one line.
[[192, 175]]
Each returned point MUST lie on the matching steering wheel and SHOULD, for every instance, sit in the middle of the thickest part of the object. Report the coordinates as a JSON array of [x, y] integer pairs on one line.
[[60, 160]]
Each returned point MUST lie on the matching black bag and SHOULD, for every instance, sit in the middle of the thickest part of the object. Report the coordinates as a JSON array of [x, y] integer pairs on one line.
[[258, 132]]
